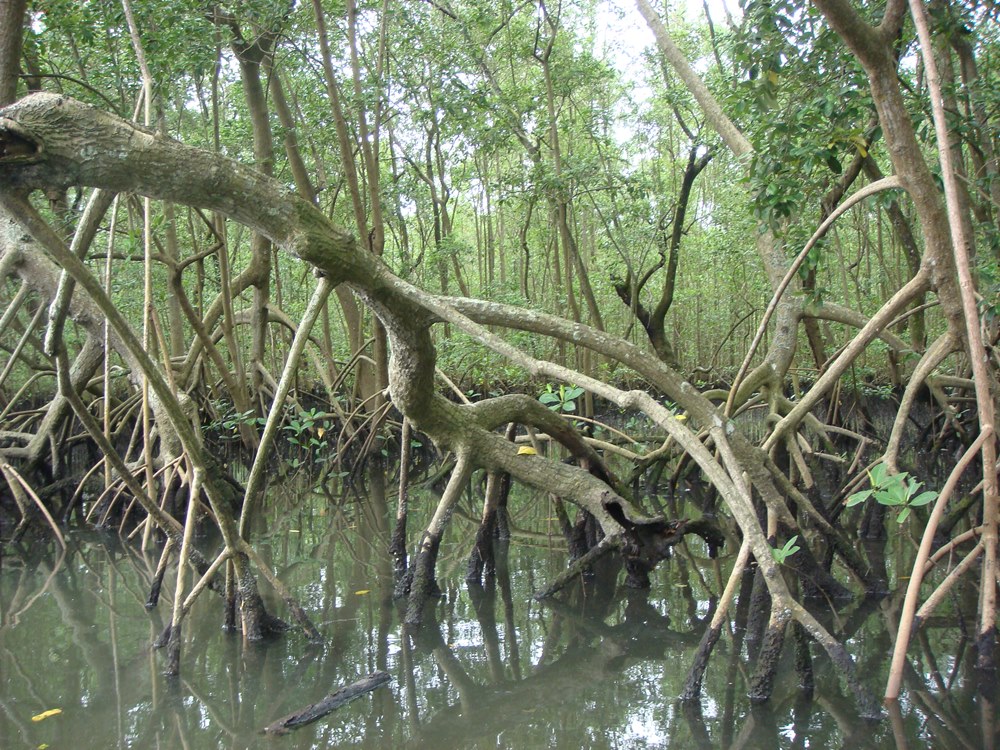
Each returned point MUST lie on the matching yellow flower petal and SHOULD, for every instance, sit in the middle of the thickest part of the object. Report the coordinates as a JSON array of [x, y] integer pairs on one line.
[[362, 592], [526, 450], [46, 714]]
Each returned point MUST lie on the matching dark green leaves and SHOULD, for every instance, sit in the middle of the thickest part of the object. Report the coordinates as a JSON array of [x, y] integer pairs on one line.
[[561, 400]]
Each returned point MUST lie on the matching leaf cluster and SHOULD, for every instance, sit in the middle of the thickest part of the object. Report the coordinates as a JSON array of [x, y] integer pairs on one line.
[[894, 490], [562, 399]]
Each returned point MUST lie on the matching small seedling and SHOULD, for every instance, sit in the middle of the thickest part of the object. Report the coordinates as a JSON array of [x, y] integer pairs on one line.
[[561, 400], [894, 490], [782, 554]]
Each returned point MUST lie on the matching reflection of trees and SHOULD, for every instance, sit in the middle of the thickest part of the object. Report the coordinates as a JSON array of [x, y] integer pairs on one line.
[[582, 652], [59, 638], [581, 669], [945, 711], [582, 655], [82, 644]]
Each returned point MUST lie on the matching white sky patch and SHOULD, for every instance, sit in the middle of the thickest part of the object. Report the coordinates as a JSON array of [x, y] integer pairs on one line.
[[623, 37], [624, 34]]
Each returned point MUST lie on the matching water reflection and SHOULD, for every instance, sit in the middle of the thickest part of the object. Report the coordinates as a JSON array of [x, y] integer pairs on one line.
[[599, 667]]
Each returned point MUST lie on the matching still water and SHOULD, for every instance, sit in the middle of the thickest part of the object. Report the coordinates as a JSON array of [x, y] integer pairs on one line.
[[491, 668]]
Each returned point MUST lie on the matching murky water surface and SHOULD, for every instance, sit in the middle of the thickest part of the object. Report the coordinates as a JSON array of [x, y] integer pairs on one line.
[[600, 668]]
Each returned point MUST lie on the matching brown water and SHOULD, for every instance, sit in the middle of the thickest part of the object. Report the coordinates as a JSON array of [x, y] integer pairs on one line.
[[601, 669]]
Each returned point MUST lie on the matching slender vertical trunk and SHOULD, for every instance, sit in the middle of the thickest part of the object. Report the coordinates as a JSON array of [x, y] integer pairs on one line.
[[175, 317], [11, 38], [251, 56], [561, 199], [348, 303], [370, 139], [526, 250], [972, 83], [368, 378]]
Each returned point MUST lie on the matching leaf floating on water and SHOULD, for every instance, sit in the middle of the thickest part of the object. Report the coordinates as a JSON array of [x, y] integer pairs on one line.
[[362, 592], [526, 450], [46, 714]]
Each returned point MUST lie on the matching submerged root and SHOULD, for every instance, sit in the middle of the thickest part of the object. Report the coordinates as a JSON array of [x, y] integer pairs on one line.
[[424, 584], [762, 682]]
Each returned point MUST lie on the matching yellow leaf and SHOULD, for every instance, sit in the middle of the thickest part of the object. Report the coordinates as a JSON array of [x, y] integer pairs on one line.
[[44, 746], [680, 417], [362, 592], [46, 714], [526, 450], [320, 432], [772, 77]]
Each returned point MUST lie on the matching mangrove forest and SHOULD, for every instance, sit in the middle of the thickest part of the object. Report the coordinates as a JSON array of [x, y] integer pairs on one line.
[[527, 373]]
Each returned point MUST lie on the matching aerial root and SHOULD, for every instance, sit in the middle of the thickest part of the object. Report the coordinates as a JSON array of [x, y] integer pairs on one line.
[[762, 682], [692, 684], [424, 584]]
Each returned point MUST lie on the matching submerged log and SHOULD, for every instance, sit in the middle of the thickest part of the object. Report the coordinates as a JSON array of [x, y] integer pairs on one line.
[[330, 703]]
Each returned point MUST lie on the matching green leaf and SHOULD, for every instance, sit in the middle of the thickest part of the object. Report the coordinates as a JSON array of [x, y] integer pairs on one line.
[[877, 475], [858, 497], [902, 515], [928, 496], [887, 498], [895, 480], [790, 548], [902, 492]]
